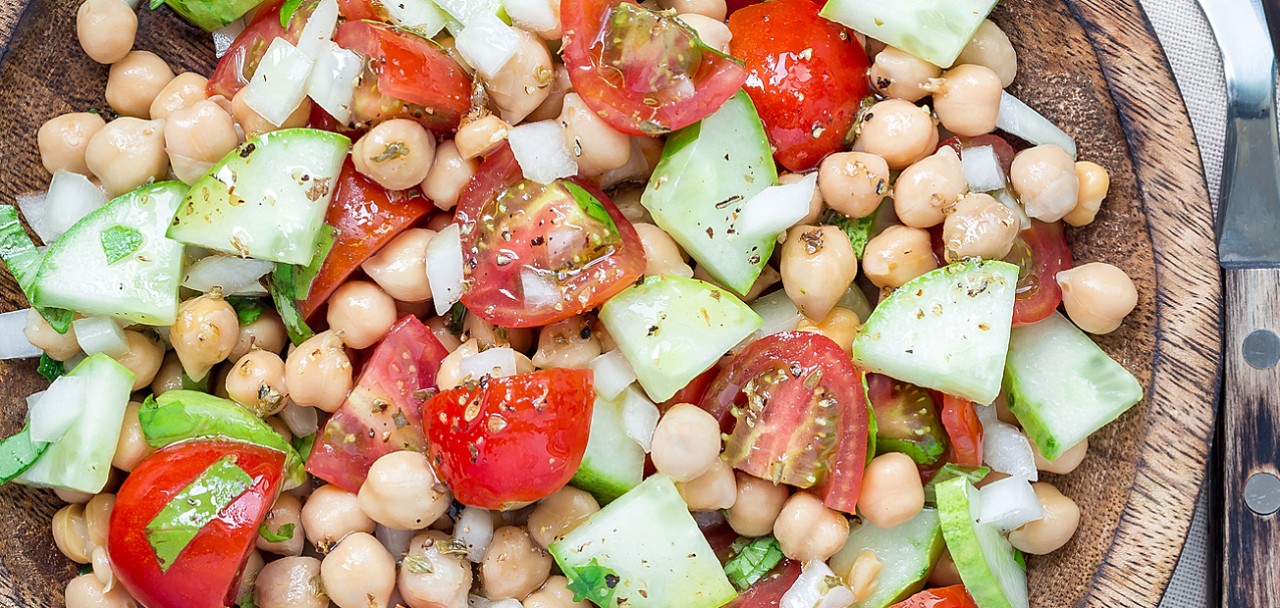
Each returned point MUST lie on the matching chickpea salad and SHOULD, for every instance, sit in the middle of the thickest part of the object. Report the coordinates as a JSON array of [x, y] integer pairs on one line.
[[560, 303]]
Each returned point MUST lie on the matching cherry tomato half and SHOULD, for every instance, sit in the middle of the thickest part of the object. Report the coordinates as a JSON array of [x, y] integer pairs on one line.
[[1040, 252], [954, 596], [537, 254], [186, 519], [906, 419], [502, 443], [964, 431], [643, 72], [808, 76], [804, 421], [242, 57], [768, 591]]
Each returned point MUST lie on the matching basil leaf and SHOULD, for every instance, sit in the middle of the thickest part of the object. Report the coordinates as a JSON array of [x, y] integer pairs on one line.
[[155, 4], [191, 509], [284, 533], [50, 368], [284, 294], [247, 309], [304, 444], [593, 582], [286, 12], [753, 560], [591, 206], [858, 231], [23, 260], [120, 242], [457, 317]]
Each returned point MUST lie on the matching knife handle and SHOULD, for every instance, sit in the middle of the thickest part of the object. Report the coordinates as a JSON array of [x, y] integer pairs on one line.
[[1251, 426]]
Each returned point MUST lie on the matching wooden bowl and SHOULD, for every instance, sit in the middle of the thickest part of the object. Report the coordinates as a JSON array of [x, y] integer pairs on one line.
[[1092, 66]]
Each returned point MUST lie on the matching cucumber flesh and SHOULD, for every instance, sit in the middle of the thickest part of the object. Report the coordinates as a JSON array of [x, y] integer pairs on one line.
[[267, 198], [708, 172], [933, 30], [1062, 387], [986, 561], [647, 540], [117, 261], [671, 329], [907, 552], [947, 330], [613, 463]]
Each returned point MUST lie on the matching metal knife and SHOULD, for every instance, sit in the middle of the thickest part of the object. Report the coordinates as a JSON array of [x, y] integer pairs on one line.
[[1249, 252]]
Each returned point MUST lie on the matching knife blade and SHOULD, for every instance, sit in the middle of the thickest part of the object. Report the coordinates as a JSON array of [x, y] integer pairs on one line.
[[1248, 225]]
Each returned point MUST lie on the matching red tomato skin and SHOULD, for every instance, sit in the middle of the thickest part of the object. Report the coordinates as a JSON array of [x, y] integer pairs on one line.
[[808, 76], [1045, 245], [964, 431], [359, 10], [384, 410], [207, 572], [506, 442], [954, 596], [367, 216], [245, 51], [693, 393], [768, 591]]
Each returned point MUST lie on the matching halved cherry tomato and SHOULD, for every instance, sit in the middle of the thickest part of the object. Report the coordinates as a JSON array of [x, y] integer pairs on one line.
[[187, 518], [768, 591], [242, 57], [1004, 151], [383, 413], [954, 596], [720, 536], [801, 415], [367, 216], [906, 419], [693, 391], [537, 254], [643, 72], [1040, 253], [405, 77], [501, 443], [360, 10], [808, 76], [964, 430]]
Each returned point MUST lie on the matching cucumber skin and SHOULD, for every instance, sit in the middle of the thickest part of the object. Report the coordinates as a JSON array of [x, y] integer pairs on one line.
[[933, 30], [921, 536], [613, 463], [961, 533]]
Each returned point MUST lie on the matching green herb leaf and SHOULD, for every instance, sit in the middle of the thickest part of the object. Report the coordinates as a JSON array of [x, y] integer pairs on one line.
[[590, 205], [457, 317], [284, 294], [952, 471], [284, 533], [305, 276], [417, 564], [120, 242], [17, 453], [50, 368], [20, 256], [155, 4], [246, 601], [286, 12], [247, 309], [191, 509], [858, 231], [754, 559], [304, 444], [593, 582]]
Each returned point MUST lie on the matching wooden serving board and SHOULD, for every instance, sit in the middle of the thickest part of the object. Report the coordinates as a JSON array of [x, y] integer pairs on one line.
[[1092, 66]]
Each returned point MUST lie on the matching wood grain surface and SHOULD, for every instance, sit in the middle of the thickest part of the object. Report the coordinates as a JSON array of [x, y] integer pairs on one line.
[[1092, 66]]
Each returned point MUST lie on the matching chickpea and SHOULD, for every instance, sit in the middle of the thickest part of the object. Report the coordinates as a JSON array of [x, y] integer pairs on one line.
[[132, 447], [818, 265], [816, 204], [449, 175], [402, 492], [71, 533], [185, 90], [249, 573], [967, 99], [198, 136], [481, 137], [513, 566], [330, 514], [979, 227], [204, 334], [143, 359], [898, 255], [899, 131], [558, 514], [1050, 533], [990, 47], [1097, 296], [397, 153], [713, 9], [757, 506], [901, 75], [1066, 462], [926, 190], [891, 490], [566, 343], [106, 29], [97, 518], [449, 375], [253, 124], [711, 491], [135, 81], [86, 591], [662, 254], [554, 103], [40, 334], [439, 328], [72, 497], [853, 183], [285, 516], [102, 568], [400, 268], [1046, 181], [686, 442], [841, 325], [319, 372], [359, 573], [361, 312], [169, 377], [807, 530], [63, 140], [554, 593], [1094, 185], [713, 32], [863, 573], [944, 573], [432, 575], [290, 582], [524, 82], [488, 335], [256, 381], [266, 333], [596, 146], [127, 153]]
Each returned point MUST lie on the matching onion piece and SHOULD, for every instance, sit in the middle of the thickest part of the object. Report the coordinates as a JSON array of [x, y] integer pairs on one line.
[[778, 312], [13, 342], [814, 588], [280, 82], [496, 362], [332, 84], [396, 541], [537, 289], [223, 38], [423, 17], [319, 29], [1017, 118], [35, 209], [1008, 503], [1004, 447], [230, 274], [444, 268], [474, 529], [532, 15], [540, 149], [56, 409], [613, 374], [776, 208], [639, 417], [71, 197], [100, 335], [463, 12], [982, 169], [1006, 198], [487, 43], [302, 420]]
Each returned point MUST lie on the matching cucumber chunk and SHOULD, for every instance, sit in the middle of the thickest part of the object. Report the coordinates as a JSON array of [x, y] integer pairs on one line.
[[116, 261], [1062, 387], [266, 199], [613, 463], [644, 550], [947, 330], [708, 172], [933, 30], [672, 328], [907, 552], [987, 563]]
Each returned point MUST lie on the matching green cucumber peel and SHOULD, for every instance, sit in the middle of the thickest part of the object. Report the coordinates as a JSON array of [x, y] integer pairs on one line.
[[209, 15], [283, 288], [951, 471], [194, 507], [50, 368], [17, 453], [20, 256], [304, 276]]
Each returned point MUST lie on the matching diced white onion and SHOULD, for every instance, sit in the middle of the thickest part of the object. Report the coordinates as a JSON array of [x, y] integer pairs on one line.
[[71, 197], [319, 29], [495, 362], [982, 169], [474, 529], [280, 82], [532, 15], [540, 149], [396, 541], [1004, 447], [1019, 119], [1008, 503], [35, 209], [444, 268], [639, 417], [332, 84], [302, 420], [813, 589], [537, 289], [776, 208], [1008, 200], [13, 343], [466, 11], [422, 16], [487, 44], [100, 335], [778, 312], [57, 408], [613, 374], [230, 274], [223, 38]]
